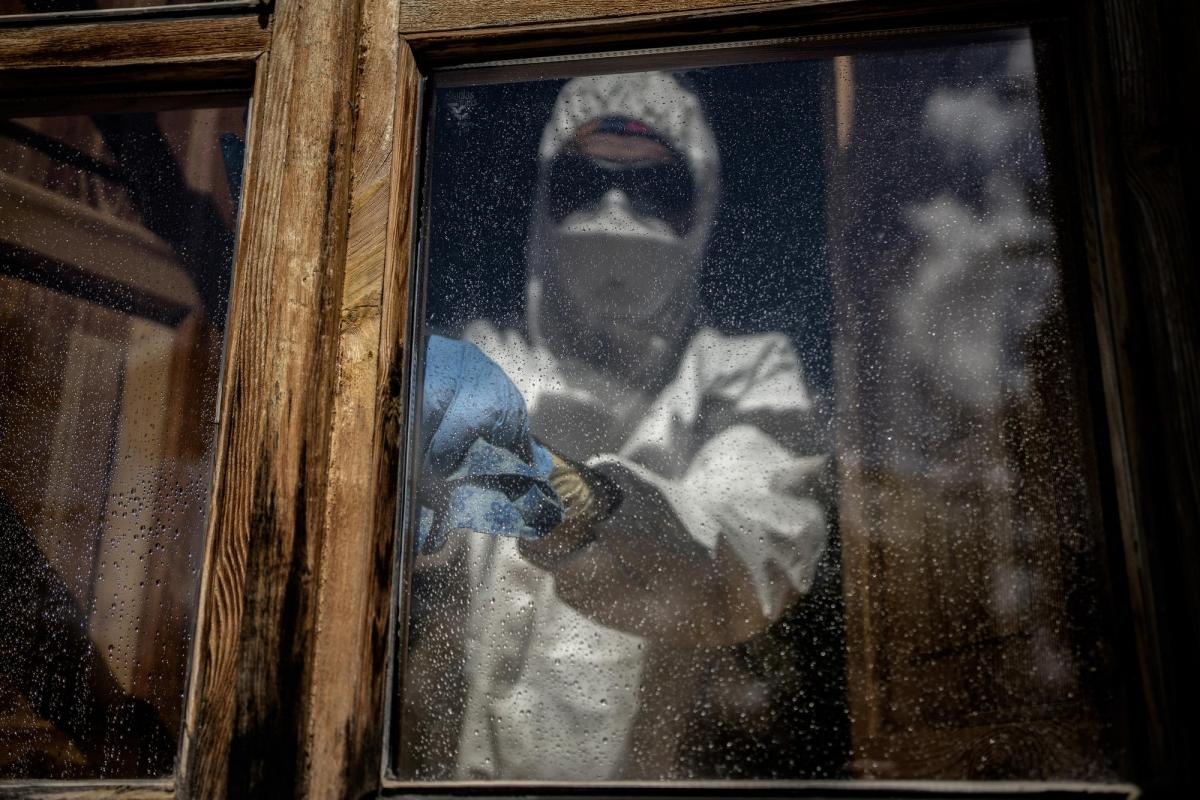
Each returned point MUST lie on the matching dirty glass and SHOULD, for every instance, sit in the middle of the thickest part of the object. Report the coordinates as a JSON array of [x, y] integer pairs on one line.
[[752, 435], [116, 246]]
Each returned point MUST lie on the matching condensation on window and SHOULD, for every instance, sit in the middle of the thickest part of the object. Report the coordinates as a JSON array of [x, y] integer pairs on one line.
[[116, 249], [752, 440]]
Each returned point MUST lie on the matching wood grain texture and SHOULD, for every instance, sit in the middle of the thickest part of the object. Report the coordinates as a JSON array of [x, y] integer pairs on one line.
[[432, 15], [248, 712], [817, 790], [1115, 311], [691, 26], [1149, 251], [87, 790], [95, 44], [350, 662]]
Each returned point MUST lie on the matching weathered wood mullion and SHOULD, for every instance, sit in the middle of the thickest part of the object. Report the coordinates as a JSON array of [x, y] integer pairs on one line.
[[252, 698], [350, 667], [141, 42]]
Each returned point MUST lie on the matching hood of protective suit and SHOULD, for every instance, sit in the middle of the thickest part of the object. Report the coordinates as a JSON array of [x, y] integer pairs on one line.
[[611, 284]]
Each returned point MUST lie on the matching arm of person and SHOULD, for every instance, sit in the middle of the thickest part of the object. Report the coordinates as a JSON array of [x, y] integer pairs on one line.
[[715, 555]]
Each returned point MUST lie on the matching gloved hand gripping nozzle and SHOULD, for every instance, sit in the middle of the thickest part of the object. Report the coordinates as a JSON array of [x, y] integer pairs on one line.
[[588, 497], [481, 468]]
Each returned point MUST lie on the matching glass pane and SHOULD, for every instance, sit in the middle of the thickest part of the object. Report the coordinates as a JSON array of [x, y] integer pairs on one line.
[[751, 439], [58, 6], [116, 245]]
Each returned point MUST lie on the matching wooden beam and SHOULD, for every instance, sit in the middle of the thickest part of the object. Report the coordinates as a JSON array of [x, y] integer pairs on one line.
[[99, 44], [87, 790], [248, 711], [470, 42], [1149, 289], [350, 661], [816, 790], [433, 15]]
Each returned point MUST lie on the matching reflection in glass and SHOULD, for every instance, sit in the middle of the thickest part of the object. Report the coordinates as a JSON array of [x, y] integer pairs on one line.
[[756, 451], [116, 245]]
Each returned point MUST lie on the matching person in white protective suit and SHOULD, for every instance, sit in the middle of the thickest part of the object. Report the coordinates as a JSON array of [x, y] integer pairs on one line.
[[687, 460]]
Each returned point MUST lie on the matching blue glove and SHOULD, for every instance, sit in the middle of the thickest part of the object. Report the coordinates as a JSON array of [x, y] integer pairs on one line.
[[480, 467]]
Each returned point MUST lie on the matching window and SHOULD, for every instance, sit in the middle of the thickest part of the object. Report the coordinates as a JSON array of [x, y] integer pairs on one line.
[[299, 682], [756, 448], [118, 244]]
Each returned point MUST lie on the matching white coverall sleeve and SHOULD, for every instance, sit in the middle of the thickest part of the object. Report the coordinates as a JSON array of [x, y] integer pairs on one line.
[[715, 555]]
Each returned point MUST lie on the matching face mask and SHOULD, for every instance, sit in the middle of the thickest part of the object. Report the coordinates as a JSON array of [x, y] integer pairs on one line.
[[616, 265]]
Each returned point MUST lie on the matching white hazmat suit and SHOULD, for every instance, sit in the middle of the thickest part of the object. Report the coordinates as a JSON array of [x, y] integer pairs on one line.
[[585, 667]]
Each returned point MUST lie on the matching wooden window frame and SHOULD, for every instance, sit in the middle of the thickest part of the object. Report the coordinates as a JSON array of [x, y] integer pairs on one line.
[[245, 674], [288, 682], [403, 41]]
